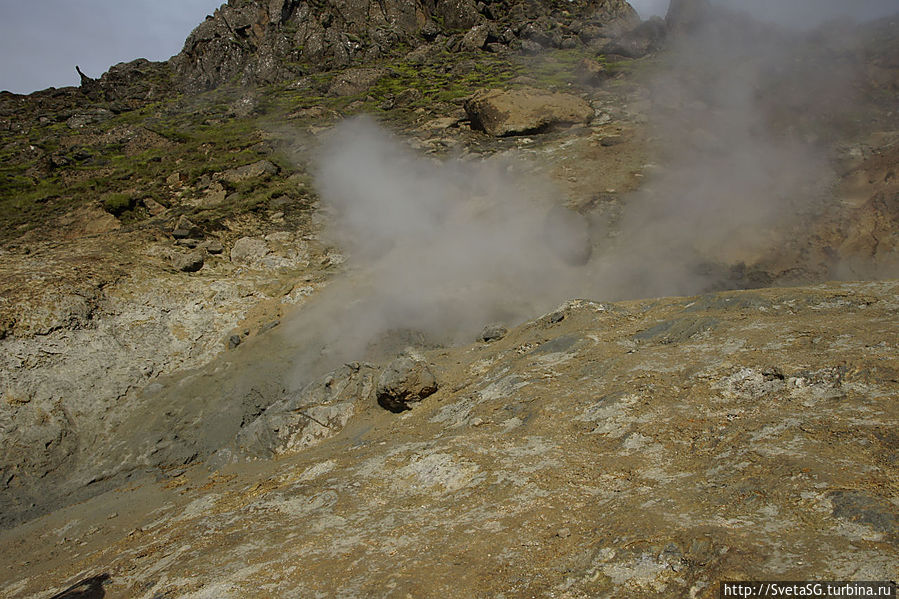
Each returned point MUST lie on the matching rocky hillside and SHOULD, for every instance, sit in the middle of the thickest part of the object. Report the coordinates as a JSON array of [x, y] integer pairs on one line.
[[644, 449], [254, 42], [209, 266]]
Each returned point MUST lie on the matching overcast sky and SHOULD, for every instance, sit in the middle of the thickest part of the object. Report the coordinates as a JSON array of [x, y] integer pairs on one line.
[[41, 41], [793, 13]]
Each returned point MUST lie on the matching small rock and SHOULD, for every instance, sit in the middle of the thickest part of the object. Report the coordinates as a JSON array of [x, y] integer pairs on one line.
[[558, 316], [591, 71], [407, 97], [493, 332], [233, 341], [214, 195], [188, 242], [246, 105], [610, 140], [355, 81], [441, 123], [173, 180], [185, 223], [261, 168], [268, 326], [405, 381], [475, 39], [215, 247], [153, 207], [183, 228], [248, 249], [191, 262], [530, 47], [563, 533]]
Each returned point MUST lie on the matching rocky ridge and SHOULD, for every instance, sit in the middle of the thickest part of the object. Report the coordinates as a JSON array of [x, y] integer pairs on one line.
[[265, 42]]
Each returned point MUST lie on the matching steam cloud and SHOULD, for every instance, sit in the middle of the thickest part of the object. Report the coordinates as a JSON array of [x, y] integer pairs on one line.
[[438, 248], [446, 247]]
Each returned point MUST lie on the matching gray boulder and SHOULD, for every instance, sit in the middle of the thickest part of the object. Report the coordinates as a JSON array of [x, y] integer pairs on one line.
[[320, 410], [405, 381], [475, 39], [493, 332]]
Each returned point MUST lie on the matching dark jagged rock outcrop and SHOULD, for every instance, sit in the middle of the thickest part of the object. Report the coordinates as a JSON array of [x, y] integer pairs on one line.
[[129, 85], [258, 41], [253, 41]]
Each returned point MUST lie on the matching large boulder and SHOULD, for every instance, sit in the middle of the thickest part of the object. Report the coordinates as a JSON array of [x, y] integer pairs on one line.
[[299, 420], [524, 111], [191, 262], [406, 381]]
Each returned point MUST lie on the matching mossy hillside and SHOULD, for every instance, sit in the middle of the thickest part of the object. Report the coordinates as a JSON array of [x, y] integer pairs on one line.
[[47, 168]]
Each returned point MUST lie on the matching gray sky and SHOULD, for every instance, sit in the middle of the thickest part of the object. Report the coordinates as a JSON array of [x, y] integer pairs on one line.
[[648, 8], [794, 13], [41, 41]]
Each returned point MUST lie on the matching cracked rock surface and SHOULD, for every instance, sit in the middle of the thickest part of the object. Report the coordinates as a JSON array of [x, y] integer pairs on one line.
[[646, 448]]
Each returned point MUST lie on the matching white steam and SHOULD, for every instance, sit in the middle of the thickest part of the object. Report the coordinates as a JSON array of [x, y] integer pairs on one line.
[[444, 247], [439, 248], [805, 14]]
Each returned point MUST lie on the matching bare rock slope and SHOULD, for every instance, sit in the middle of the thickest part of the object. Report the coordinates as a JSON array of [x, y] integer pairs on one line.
[[646, 449]]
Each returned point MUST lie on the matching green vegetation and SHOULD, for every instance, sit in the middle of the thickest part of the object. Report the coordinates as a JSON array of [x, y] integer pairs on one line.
[[48, 168], [118, 203]]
